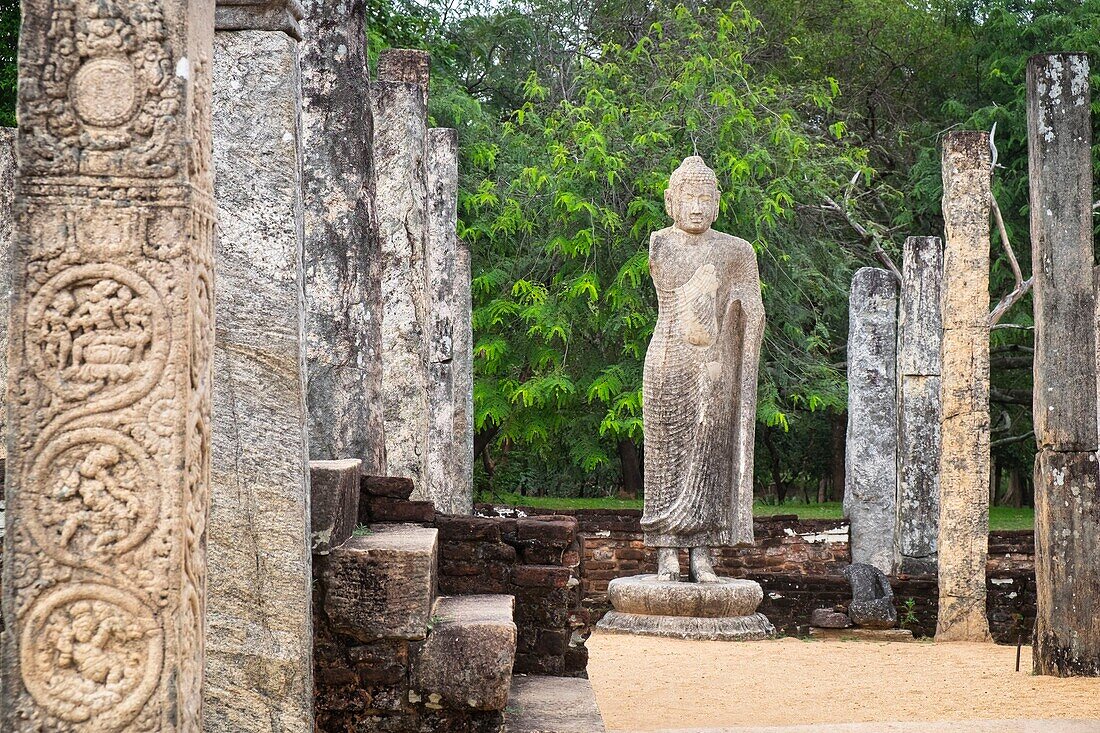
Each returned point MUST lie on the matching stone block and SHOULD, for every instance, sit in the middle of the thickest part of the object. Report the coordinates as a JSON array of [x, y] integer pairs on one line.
[[466, 663], [386, 509], [395, 487], [381, 584], [827, 618], [541, 576], [334, 502], [468, 528], [861, 634], [553, 705], [551, 530]]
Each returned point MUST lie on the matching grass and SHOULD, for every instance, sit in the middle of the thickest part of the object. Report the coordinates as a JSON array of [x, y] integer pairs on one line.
[[1000, 517]]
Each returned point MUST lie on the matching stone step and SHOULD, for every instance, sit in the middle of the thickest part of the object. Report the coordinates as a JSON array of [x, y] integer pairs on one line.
[[552, 705], [380, 584], [466, 663]]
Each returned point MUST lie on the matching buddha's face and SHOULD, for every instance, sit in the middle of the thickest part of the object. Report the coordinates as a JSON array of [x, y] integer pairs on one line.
[[694, 207]]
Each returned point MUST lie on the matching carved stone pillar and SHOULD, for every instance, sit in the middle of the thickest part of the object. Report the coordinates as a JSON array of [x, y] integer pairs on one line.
[[104, 586], [400, 145], [259, 671], [7, 225]]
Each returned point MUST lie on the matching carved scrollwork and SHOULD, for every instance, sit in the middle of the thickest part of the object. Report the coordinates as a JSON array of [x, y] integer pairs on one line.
[[91, 652], [99, 498], [98, 334], [106, 98]]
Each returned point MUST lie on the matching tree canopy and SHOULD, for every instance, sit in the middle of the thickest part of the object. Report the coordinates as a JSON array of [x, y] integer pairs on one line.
[[823, 121]]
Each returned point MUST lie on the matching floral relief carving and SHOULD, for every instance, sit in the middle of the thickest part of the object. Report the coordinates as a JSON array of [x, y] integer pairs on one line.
[[98, 333], [91, 652]]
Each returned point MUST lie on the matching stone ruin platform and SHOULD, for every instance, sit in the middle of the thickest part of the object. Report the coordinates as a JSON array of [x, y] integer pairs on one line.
[[723, 611]]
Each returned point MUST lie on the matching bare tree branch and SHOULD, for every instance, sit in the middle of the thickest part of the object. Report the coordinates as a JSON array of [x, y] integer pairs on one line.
[[1022, 286], [873, 239], [1012, 439]]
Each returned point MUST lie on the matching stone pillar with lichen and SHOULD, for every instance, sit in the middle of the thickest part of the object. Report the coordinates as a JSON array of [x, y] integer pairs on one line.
[[110, 374], [399, 106], [963, 539], [259, 669], [342, 255], [1067, 477], [870, 470], [920, 331]]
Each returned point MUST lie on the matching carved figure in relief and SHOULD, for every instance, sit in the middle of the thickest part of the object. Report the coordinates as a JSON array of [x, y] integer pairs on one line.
[[699, 382]]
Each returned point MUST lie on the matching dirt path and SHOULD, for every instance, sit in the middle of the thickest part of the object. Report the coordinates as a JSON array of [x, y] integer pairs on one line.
[[650, 684]]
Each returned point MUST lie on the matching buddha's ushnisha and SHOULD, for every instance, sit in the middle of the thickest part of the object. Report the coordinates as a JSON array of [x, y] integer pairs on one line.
[[699, 384]]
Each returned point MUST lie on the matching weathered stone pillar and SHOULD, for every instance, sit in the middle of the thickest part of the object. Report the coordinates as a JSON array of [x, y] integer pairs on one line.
[[445, 485], [259, 671], [872, 446], [963, 541], [104, 586], [398, 101], [7, 226], [920, 331], [1067, 477], [462, 368], [342, 256]]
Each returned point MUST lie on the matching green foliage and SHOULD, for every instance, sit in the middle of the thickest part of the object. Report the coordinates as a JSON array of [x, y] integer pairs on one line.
[[9, 42], [559, 201]]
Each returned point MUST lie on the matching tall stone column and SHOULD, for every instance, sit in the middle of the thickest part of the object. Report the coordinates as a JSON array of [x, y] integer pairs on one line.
[[7, 227], [342, 255], [104, 586], [920, 332], [399, 105], [872, 445], [963, 543], [463, 370], [1067, 477], [446, 487], [259, 670]]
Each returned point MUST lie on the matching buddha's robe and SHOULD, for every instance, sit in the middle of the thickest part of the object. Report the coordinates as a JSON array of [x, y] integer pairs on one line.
[[699, 390]]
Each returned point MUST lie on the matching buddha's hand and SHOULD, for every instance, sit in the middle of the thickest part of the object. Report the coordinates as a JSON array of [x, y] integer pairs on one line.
[[706, 279]]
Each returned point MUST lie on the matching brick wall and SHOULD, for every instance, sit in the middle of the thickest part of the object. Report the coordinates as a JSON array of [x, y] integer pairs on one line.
[[535, 559], [798, 563]]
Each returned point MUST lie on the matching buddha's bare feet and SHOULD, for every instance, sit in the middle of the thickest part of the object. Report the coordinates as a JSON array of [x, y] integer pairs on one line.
[[668, 564], [701, 570]]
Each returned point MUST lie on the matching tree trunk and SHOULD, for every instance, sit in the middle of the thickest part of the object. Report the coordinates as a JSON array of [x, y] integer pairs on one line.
[[777, 470], [838, 432], [631, 486]]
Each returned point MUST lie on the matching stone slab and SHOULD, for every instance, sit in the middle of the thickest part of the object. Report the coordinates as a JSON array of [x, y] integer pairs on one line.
[[861, 634], [259, 617], [263, 15], [646, 595], [334, 503], [738, 628], [394, 487], [381, 584], [466, 663], [540, 704], [827, 618]]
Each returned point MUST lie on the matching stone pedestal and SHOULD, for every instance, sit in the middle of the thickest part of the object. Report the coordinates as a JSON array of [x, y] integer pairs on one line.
[[724, 611]]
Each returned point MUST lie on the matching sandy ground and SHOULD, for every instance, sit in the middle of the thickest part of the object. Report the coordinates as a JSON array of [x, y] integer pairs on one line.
[[652, 684]]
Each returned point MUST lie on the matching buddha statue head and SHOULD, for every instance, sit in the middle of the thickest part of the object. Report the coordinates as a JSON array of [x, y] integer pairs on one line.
[[692, 196]]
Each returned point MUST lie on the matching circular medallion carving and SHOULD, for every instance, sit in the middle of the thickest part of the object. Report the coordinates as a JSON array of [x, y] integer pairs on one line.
[[91, 654], [105, 92], [98, 334], [99, 496]]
